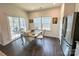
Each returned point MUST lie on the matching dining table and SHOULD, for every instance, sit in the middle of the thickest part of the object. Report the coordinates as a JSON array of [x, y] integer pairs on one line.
[[30, 34]]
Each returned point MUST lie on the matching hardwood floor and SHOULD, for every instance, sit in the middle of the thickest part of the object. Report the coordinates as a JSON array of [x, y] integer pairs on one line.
[[44, 47]]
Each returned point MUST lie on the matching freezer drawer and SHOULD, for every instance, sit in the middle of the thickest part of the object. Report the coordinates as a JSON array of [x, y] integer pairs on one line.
[[77, 49], [66, 48]]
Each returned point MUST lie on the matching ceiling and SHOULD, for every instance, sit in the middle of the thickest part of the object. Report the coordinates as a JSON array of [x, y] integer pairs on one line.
[[37, 6]]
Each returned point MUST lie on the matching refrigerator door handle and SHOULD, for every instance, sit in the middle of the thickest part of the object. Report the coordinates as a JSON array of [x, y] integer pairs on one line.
[[67, 45]]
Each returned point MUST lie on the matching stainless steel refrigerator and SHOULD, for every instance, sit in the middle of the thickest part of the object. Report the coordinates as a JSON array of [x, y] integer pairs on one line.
[[70, 33]]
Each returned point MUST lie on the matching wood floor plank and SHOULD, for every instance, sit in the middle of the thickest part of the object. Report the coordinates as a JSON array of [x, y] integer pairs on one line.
[[44, 47]]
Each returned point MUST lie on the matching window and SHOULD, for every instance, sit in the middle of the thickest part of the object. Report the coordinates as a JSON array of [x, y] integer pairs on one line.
[[37, 23], [46, 23], [23, 24], [43, 23], [17, 24]]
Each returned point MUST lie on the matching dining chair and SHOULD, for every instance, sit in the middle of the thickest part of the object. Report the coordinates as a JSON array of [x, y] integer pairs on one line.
[[41, 37], [25, 35]]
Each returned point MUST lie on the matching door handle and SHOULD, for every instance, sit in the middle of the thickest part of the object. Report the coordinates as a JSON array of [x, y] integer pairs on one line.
[[67, 45]]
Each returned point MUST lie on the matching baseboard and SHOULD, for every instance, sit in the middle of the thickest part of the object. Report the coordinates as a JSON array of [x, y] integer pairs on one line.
[[8, 42], [2, 54], [51, 37], [4, 44]]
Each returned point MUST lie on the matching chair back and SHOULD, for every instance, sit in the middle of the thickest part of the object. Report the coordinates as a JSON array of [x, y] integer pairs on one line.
[[43, 32]]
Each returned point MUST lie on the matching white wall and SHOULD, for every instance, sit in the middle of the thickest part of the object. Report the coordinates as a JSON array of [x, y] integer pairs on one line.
[[69, 8], [77, 7], [5, 11], [54, 12]]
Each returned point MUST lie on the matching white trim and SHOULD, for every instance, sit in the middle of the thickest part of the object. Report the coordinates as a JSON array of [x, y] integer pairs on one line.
[[2, 54], [4, 44]]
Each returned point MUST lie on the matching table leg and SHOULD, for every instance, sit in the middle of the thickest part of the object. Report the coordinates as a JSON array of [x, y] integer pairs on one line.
[[22, 40]]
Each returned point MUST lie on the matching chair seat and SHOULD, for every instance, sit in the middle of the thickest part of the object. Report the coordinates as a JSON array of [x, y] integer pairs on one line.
[[40, 36]]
